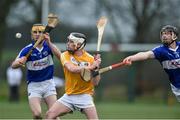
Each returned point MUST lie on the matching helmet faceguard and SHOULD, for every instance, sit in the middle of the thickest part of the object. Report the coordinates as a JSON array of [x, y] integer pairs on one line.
[[37, 28], [171, 29], [77, 38]]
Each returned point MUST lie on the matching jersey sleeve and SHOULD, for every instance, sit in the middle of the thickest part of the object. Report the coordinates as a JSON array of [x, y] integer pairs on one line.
[[157, 52], [64, 58], [23, 52]]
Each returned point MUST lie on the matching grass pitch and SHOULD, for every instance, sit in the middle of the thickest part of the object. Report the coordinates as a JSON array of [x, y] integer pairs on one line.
[[105, 110]]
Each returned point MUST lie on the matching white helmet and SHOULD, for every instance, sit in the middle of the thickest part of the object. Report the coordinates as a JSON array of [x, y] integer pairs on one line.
[[77, 38]]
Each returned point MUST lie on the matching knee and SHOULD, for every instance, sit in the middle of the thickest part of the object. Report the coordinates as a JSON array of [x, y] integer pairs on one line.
[[50, 115]]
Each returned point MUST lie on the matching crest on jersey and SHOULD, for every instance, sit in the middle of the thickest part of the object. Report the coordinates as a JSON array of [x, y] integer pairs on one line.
[[74, 61]]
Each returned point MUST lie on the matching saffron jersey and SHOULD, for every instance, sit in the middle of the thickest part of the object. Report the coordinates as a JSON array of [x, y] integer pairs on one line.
[[73, 81], [170, 61]]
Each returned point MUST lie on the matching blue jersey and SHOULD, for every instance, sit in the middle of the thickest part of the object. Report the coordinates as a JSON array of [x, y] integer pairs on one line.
[[170, 61], [40, 66]]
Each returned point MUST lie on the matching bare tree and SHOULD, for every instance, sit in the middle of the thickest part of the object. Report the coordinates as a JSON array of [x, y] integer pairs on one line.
[[5, 6], [37, 5], [145, 17], [145, 13]]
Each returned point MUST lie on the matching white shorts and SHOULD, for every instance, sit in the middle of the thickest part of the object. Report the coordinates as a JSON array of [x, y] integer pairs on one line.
[[41, 89], [77, 102], [176, 92]]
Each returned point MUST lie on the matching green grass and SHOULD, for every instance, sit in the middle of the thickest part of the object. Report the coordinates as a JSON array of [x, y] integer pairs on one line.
[[105, 110]]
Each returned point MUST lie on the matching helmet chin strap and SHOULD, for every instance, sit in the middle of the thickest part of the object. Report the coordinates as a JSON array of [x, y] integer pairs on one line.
[[79, 48], [168, 44], [79, 41], [174, 37], [73, 51]]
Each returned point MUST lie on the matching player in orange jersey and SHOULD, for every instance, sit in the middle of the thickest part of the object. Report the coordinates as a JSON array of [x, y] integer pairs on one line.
[[78, 93]]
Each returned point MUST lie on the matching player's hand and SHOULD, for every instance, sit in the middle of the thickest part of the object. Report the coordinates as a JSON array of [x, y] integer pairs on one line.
[[128, 60], [97, 56], [47, 37], [21, 61], [97, 62]]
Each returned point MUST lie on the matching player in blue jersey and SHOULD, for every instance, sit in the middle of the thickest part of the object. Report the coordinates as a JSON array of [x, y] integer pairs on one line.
[[168, 54], [40, 69]]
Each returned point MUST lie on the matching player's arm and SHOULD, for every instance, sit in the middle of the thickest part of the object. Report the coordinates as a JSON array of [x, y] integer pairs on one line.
[[96, 80], [139, 57], [53, 47], [97, 63], [77, 69], [18, 62]]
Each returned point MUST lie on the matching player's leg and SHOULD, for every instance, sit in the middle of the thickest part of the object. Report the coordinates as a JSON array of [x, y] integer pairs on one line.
[[49, 93], [50, 100], [84, 102], [35, 105], [58, 109], [15, 93], [90, 113], [35, 96], [11, 95]]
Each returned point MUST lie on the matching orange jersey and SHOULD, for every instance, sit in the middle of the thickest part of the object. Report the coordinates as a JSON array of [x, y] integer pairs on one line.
[[74, 83]]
